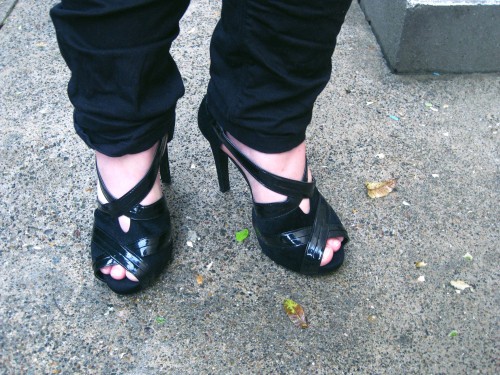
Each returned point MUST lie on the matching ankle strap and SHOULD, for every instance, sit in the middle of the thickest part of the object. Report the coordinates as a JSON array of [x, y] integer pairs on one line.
[[121, 206], [278, 184]]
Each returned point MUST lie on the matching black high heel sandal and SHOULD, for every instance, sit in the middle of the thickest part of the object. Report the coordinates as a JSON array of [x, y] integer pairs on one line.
[[285, 233], [146, 249]]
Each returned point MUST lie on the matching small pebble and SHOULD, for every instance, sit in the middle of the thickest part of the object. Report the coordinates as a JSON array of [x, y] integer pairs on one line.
[[192, 236]]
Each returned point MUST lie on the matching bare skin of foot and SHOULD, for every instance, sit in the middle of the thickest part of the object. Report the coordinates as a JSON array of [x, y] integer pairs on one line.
[[120, 174]]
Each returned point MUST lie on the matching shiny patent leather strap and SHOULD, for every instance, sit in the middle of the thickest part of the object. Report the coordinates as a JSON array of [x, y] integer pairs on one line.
[[140, 212], [313, 239], [316, 245], [294, 238], [326, 225], [122, 206], [280, 185], [131, 256]]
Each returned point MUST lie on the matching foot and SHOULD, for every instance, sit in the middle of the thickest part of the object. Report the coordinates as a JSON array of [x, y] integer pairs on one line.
[[289, 164], [120, 174]]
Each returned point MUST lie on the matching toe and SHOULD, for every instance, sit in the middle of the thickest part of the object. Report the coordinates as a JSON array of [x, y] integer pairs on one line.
[[335, 243], [106, 270], [327, 255], [117, 272], [332, 245], [130, 276]]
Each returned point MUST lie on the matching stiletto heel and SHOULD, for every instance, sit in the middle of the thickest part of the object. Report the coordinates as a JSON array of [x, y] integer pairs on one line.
[[221, 164], [205, 123], [146, 248], [165, 168], [285, 233]]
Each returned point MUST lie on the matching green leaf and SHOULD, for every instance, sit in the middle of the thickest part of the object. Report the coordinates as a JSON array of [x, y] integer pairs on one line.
[[468, 257], [241, 235], [160, 320], [453, 333]]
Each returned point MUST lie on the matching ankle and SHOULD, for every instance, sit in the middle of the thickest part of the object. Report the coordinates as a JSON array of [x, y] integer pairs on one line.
[[289, 164], [121, 174]]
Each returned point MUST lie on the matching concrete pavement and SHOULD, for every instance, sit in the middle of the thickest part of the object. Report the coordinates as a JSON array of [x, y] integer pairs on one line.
[[371, 317]]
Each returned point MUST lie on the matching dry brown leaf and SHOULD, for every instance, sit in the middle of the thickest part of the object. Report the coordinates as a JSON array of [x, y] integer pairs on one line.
[[296, 313], [380, 189], [199, 279]]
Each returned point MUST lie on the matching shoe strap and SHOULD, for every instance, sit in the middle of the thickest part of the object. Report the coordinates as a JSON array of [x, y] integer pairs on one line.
[[278, 184], [317, 241], [121, 206], [132, 256], [326, 225]]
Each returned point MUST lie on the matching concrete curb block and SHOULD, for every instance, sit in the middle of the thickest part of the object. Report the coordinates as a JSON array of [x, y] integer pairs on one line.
[[453, 36]]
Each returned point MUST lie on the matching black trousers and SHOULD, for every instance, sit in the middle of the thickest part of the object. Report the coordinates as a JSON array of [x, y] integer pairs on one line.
[[270, 59]]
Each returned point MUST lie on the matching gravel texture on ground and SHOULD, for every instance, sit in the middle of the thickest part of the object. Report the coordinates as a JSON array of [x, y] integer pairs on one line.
[[438, 134]]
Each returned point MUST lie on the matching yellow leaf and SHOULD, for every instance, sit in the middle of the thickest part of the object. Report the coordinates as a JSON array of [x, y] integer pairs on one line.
[[296, 313], [420, 264], [374, 185], [380, 189], [199, 279]]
